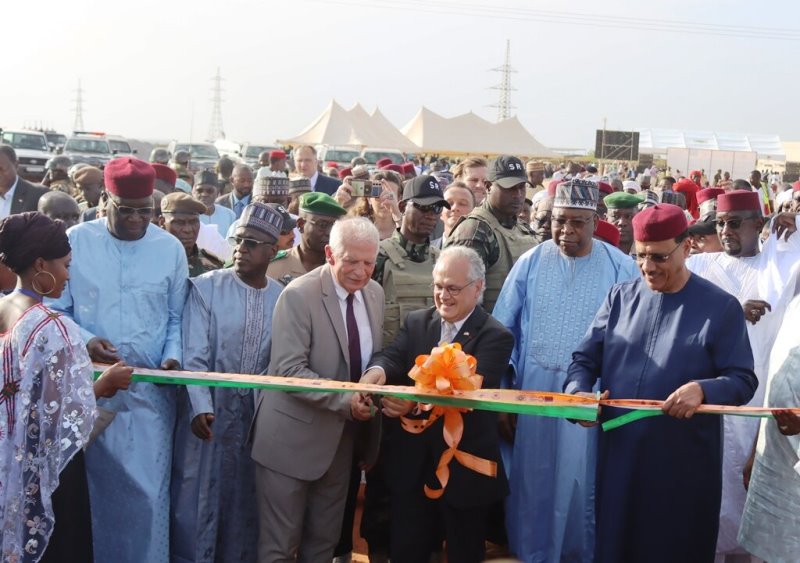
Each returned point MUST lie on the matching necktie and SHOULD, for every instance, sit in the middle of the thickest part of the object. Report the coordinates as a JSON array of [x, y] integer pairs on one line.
[[238, 207], [353, 341], [449, 331]]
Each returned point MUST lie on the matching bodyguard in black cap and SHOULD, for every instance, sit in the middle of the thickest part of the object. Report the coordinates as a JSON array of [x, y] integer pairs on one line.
[[493, 229], [405, 260]]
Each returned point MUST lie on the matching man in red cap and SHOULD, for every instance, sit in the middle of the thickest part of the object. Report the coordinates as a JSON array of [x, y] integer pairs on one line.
[[126, 291], [763, 280], [607, 232], [671, 336], [165, 178], [277, 161], [689, 189]]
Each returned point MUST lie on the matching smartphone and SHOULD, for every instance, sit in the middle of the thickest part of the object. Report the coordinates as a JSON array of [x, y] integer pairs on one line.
[[377, 189]]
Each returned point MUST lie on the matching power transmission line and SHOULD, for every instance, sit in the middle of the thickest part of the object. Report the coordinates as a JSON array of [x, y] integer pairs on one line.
[[215, 128], [503, 105], [579, 19]]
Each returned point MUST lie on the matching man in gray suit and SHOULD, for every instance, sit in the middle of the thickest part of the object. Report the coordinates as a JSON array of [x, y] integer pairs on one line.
[[327, 324]]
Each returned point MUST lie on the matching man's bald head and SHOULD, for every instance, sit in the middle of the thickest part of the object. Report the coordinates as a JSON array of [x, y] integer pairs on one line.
[[60, 206]]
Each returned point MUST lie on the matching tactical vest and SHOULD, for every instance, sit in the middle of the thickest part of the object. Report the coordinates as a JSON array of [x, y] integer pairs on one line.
[[513, 243], [407, 285]]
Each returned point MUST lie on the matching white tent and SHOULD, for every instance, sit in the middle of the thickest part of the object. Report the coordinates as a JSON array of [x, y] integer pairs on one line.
[[657, 141], [471, 134], [354, 127]]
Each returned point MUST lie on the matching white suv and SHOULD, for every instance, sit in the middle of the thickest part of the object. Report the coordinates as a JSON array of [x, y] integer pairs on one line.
[[32, 152]]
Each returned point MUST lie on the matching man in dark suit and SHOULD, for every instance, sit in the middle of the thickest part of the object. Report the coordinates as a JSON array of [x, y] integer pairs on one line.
[[305, 162], [410, 460], [16, 195], [240, 195]]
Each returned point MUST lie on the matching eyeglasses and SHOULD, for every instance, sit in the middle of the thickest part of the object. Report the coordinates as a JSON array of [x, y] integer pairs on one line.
[[732, 224], [575, 224], [321, 225], [250, 243], [657, 258], [126, 211], [452, 290], [435, 208]]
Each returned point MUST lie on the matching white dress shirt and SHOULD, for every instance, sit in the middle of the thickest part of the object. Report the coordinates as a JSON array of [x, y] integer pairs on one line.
[[457, 324], [362, 319], [313, 181], [7, 199]]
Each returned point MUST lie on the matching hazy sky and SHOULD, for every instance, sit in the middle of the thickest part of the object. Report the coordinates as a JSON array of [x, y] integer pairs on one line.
[[146, 69]]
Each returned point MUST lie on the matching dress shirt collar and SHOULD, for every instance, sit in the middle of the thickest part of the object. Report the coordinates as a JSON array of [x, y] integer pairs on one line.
[[10, 193], [341, 292], [459, 324], [313, 181]]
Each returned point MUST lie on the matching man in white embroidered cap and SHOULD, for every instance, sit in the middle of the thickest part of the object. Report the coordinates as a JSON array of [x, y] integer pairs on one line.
[[227, 328], [548, 301]]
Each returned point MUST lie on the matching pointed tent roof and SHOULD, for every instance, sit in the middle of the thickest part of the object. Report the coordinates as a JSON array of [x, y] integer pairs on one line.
[[392, 134], [335, 126], [354, 127], [471, 134]]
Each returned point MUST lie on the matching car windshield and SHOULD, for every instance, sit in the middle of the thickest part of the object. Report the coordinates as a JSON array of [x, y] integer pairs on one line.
[[56, 138], [254, 150], [121, 147], [97, 146], [372, 157], [199, 151], [25, 141], [341, 156]]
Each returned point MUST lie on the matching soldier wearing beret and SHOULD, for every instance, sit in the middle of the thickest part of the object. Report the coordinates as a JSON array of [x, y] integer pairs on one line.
[[180, 216], [622, 207], [318, 213]]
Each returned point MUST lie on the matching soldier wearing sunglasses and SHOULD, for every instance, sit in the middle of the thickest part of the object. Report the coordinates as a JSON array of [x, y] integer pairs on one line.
[[493, 229], [405, 260]]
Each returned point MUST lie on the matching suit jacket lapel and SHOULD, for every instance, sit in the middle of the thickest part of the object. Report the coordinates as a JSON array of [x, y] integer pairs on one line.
[[434, 329], [18, 203], [471, 327], [331, 302], [374, 305]]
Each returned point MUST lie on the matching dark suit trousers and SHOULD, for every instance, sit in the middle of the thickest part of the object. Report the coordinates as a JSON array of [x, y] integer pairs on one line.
[[417, 522]]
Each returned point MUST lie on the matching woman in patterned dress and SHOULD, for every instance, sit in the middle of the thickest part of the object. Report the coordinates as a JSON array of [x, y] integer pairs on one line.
[[47, 402]]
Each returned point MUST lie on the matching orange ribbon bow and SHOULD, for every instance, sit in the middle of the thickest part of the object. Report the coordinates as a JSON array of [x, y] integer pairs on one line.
[[445, 370]]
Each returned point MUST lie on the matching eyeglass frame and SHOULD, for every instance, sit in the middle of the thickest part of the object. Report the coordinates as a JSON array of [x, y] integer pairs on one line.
[[656, 258], [249, 242], [140, 211], [452, 291]]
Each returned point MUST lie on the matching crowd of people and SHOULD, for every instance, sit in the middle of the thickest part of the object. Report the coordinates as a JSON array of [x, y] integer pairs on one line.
[[608, 284]]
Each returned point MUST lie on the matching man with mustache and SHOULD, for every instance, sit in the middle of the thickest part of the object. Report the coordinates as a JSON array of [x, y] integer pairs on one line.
[[763, 280], [318, 213]]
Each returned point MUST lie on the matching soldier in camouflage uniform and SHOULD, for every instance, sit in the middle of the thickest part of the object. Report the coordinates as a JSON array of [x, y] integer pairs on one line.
[[404, 266], [180, 216], [318, 213], [493, 229], [57, 175]]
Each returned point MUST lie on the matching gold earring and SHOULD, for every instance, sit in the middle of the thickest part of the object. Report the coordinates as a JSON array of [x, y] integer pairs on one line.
[[37, 289]]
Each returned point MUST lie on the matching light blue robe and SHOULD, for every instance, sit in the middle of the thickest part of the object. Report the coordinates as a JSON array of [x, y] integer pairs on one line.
[[548, 301], [222, 218], [226, 328], [131, 293]]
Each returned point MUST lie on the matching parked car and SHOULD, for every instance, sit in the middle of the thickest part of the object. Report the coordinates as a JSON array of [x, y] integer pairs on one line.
[[32, 152], [95, 148], [249, 152], [341, 155], [204, 155], [373, 155]]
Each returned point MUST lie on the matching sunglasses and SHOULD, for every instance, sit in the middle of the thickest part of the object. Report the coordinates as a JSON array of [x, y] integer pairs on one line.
[[575, 224], [126, 211], [435, 208], [250, 243], [656, 258], [732, 224]]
